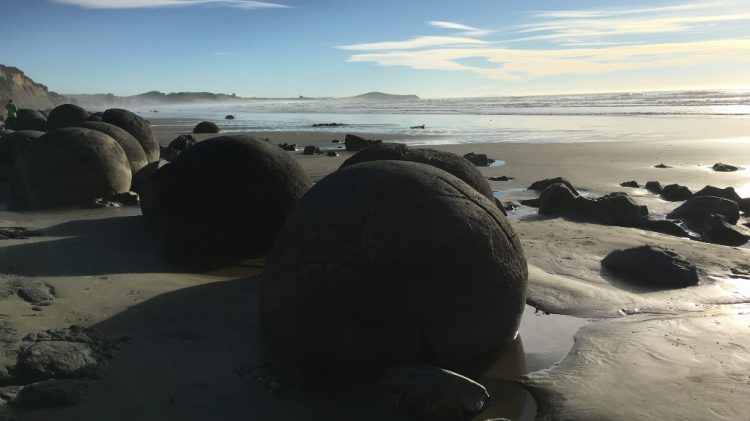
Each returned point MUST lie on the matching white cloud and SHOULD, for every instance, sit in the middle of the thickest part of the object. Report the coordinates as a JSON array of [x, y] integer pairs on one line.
[[468, 31], [411, 44], [138, 4]]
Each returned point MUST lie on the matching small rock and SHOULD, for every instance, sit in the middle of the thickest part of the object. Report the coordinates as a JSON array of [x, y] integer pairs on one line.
[[331, 153], [662, 166], [229, 117], [480, 160], [33, 291], [724, 167], [311, 150], [206, 127], [328, 124], [500, 178], [654, 187], [717, 230], [51, 393], [651, 266], [418, 127], [543, 184], [291, 147], [335, 141], [633, 184], [675, 193], [101, 203]]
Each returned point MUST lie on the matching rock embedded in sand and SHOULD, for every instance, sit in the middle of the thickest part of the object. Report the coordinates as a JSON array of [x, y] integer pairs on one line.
[[446, 161], [357, 143], [225, 199], [633, 184], [662, 166], [29, 119], [479, 159], [129, 144], [33, 291], [724, 167], [206, 127], [653, 267], [66, 115], [612, 209], [543, 184], [136, 126], [392, 262], [56, 360], [654, 187], [68, 166], [675, 193], [556, 199], [717, 230], [311, 150], [699, 208], [229, 117]]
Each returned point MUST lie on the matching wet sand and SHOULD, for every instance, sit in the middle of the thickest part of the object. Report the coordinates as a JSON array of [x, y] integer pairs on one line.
[[194, 348]]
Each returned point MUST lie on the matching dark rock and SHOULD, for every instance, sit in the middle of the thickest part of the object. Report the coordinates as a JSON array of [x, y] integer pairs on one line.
[[5, 131], [12, 144], [500, 178], [445, 161], [127, 198], [352, 284], [29, 119], [717, 230], [633, 184], [663, 226], [356, 143], [52, 393], [226, 198], [328, 125], [557, 199], [500, 206], [511, 206], [331, 153], [311, 150], [654, 187], [148, 191], [56, 360], [662, 166], [68, 166], [726, 193], [653, 267], [426, 392], [129, 144], [206, 127], [97, 116], [76, 333], [178, 145], [229, 117], [33, 291], [418, 127], [699, 208], [675, 193], [543, 184], [613, 209], [66, 115], [744, 205], [724, 167], [18, 233], [480, 160], [534, 203], [335, 141], [288, 147], [138, 127], [101, 203]]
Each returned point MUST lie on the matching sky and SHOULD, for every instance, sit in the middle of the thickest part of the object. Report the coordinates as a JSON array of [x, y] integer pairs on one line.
[[431, 48]]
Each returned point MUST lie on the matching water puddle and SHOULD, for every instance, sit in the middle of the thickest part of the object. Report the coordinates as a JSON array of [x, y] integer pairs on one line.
[[497, 163]]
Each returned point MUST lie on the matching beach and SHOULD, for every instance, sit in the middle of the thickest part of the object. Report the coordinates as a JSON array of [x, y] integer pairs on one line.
[[191, 345]]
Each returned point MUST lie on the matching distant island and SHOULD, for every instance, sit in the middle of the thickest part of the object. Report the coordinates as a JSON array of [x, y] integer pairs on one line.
[[380, 96]]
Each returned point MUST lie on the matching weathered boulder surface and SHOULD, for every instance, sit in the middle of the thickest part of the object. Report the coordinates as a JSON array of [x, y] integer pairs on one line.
[[556, 199], [55, 360], [68, 166], [225, 199], [479, 159], [717, 230], [66, 115], [130, 145], [726, 193], [543, 184], [136, 126], [652, 267], [178, 145], [410, 264], [29, 119], [52, 393], [699, 208], [675, 193], [12, 144], [206, 127]]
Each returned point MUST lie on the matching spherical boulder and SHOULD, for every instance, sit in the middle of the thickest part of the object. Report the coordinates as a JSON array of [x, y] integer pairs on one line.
[[225, 199], [12, 144], [131, 147], [146, 188], [66, 115], [68, 166], [28, 119], [446, 161], [206, 127], [391, 262], [136, 126]]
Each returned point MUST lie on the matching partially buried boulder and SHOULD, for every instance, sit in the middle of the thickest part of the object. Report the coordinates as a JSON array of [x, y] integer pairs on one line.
[[29, 119], [699, 208], [56, 360], [68, 166], [66, 115], [357, 143], [479, 159], [675, 193], [633, 184], [136, 126], [178, 145], [613, 209], [392, 262], [446, 161], [654, 187], [130, 145], [543, 184], [206, 127], [556, 199], [726, 193], [717, 230], [225, 199], [724, 167], [652, 267]]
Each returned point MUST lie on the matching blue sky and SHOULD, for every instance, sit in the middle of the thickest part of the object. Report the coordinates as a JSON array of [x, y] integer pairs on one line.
[[432, 48]]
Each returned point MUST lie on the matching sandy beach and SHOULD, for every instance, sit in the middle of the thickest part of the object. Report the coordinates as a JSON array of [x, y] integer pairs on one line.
[[190, 344]]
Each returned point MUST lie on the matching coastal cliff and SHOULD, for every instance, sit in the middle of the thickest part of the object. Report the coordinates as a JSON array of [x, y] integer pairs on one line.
[[24, 91]]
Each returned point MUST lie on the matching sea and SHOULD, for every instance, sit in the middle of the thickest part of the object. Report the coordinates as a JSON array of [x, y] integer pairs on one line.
[[645, 116]]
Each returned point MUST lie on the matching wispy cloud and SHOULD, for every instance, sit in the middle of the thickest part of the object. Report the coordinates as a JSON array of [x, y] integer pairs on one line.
[[139, 4], [592, 42]]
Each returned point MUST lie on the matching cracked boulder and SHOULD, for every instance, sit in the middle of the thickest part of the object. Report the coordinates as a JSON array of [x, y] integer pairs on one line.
[[392, 262]]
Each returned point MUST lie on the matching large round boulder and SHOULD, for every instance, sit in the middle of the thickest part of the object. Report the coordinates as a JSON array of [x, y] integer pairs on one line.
[[28, 119], [130, 145], [146, 187], [446, 161], [206, 127], [12, 144], [66, 115], [391, 262], [136, 126], [225, 199], [68, 166]]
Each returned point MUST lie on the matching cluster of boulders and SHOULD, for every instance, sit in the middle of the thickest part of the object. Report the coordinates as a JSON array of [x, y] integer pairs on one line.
[[82, 156], [711, 212]]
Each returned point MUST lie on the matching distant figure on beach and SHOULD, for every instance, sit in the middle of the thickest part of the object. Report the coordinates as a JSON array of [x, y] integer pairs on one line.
[[10, 120]]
